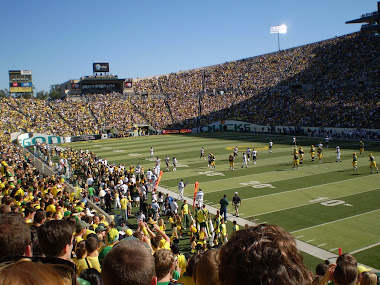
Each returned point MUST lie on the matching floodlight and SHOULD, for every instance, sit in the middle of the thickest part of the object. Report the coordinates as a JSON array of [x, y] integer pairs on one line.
[[278, 30]]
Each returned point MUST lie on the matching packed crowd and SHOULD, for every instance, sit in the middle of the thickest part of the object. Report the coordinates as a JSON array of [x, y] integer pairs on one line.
[[329, 68], [320, 84], [51, 236]]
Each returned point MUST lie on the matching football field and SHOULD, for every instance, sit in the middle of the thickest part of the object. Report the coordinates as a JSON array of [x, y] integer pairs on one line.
[[328, 205]]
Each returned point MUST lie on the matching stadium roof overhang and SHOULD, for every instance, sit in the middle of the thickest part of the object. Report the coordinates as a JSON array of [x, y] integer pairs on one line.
[[369, 19]]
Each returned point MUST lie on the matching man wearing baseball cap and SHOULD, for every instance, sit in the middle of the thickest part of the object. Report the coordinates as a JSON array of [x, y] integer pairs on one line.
[[237, 202]]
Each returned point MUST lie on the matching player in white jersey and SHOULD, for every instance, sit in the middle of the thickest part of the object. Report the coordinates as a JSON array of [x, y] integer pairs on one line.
[[175, 162], [158, 165], [209, 159], [338, 154], [254, 156], [155, 171], [181, 188], [167, 161], [294, 141], [138, 168], [236, 151], [327, 141], [249, 151], [202, 153], [245, 160], [151, 152], [199, 198], [270, 146]]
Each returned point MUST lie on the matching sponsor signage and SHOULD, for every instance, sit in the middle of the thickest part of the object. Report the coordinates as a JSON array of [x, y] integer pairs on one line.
[[29, 139], [234, 126], [181, 131], [20, 84], [26, 72], [101, 67], [127, 84], [20, 89], [86, 138]]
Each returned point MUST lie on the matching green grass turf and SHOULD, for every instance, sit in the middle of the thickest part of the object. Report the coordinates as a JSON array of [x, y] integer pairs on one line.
[[327, 205], [310, 261]]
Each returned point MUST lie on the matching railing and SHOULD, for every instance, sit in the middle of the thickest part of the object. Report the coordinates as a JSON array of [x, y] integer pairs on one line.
[[46, 170]]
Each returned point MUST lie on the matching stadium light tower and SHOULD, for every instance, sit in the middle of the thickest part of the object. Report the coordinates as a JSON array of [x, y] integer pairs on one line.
[[278, 30]]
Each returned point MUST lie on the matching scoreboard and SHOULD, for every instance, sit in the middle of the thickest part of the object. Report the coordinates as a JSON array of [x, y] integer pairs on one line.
[[20, 81]]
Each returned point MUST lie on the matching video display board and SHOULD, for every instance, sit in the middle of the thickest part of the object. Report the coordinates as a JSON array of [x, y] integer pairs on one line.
[[20, 81], [101, 67]]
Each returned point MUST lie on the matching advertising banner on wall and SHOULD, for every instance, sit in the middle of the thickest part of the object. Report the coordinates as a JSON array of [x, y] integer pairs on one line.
[[29, 139], [181, 131], [235, 126], [86, 138]]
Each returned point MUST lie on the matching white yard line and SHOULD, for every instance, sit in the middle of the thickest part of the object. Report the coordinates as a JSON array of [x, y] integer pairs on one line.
[[308, 248], [253, 176], [365, 248], [299, 189], [347, 218], [310, 203]]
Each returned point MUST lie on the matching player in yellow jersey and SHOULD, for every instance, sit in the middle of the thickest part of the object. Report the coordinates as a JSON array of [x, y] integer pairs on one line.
[[296, 162], [231, 160], [372, 163], [212, 158], [320, 154], [361, 148], [355, 161], [301, 153], [312, 152]]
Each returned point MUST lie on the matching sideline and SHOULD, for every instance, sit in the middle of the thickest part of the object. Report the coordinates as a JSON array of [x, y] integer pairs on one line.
[[303, 246]]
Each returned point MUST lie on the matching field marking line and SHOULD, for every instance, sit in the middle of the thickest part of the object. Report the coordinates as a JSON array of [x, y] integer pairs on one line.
[[252, 176], [333, 249], [283, 209], [362, 214], [308, 241], [365, 248], [299, 237], [294, 190], [308, 248], [321, 244]]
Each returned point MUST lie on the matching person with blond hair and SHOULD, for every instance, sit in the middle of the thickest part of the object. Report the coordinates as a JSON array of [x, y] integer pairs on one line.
[[24, 271], [368, 278]]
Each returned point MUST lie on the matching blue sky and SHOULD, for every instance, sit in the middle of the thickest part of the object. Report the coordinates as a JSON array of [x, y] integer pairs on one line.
[[59, 40]]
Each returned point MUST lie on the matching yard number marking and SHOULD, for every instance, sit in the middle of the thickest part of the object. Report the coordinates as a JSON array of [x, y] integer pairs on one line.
[[257, 184], [330, 203], [212, 173]]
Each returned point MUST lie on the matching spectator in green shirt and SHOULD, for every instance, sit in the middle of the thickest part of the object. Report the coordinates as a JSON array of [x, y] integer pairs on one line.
[[223, 206]]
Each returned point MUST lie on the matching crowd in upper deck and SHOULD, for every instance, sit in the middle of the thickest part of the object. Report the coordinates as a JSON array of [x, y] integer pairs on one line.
[[333, 83]]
